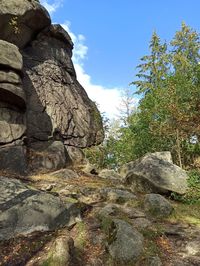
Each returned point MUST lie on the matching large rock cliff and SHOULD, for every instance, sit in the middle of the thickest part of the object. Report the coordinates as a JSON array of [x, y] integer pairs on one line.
[[43, 108]]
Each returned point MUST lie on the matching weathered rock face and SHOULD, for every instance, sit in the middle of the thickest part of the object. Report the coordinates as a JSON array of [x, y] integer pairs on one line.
[[50, 84], [48, 155], [41, 100], [156, 174]]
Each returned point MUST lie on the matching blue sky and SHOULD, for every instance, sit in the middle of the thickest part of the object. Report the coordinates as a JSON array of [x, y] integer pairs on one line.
[[112, 35]]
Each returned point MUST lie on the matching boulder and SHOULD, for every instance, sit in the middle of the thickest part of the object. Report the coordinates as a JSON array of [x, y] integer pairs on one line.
[[24, 210], [163, 155], [57, 105], [10, 57], [12, 124], [13, 159], [47, 156], [154, 174], [117, 195], [111, 174], [21, 20], [9, 76], [64, 174], [57, 252], [125, 244], [157, 205]]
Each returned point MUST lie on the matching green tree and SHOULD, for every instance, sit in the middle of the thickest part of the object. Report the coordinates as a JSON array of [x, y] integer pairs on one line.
[[154, 67], [169, 83]]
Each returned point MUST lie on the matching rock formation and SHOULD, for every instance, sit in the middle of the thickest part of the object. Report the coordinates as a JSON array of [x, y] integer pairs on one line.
[[41, 100], [155, 173]]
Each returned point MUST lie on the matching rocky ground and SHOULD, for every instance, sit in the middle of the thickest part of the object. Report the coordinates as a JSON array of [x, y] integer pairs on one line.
[[111, 226]]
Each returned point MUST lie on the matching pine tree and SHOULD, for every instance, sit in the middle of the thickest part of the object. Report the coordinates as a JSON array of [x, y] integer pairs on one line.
[[154, 67]]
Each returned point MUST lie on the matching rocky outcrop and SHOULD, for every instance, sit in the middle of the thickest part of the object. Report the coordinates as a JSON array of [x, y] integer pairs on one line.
[[41, 101], [21, 20], [50, 84], [156, 174]]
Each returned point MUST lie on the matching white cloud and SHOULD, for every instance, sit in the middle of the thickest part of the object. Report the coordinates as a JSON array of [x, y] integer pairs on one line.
[[107, 99], [51, 7]]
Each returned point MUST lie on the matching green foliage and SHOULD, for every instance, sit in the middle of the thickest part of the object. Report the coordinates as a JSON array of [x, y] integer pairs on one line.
[[169, 83], [193, 194]]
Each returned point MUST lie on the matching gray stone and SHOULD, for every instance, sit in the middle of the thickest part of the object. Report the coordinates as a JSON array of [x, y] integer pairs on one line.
[[21, 20], [10, 77], [10, 56], [111, 174], [47, 156], [153, 174], [13, 94], [65, 174], [131, 212], [13, 159], [24, 210], [157, 205], [125, 244], [163, 155], [58, 33], [154, 261], [57, 252], [117, 195]]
